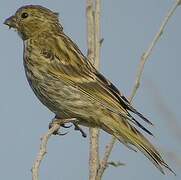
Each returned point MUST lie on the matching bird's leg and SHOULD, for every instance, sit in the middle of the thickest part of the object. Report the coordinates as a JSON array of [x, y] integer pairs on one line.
[[77, 128], [62, 122]]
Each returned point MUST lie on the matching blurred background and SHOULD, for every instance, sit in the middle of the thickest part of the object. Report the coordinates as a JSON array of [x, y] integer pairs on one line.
[[127, 28]]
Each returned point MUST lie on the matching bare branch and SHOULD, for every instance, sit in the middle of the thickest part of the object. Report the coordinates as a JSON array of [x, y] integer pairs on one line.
[[93, 153], [90, 29], [93, 40], [104, 162], [148, 52], [97, 33], [55, 126]]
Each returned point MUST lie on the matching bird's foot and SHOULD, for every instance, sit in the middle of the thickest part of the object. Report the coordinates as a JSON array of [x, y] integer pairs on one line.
[[77, 128], [62, 123]]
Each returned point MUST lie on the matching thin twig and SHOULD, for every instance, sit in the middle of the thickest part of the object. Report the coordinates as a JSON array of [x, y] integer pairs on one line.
[[144, 58], [104, 162], [93, 40], [93, 153], [148, 52], [55, 126], [97, 33], [90, 30], [42, 151]]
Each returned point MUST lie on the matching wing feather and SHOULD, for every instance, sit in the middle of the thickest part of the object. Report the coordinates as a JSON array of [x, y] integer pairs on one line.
[[77, 70]]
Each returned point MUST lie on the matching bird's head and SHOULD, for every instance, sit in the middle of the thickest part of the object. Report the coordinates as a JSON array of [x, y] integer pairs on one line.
[[30, 19]]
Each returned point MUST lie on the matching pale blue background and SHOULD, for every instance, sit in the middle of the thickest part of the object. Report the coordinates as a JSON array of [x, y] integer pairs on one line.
[[128, 27]]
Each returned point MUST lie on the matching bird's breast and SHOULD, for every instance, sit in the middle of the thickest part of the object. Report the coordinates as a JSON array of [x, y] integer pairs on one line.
[[55, 93]]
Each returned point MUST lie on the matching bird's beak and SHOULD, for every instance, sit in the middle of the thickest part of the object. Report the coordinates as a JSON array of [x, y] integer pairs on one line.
[[11, 22]]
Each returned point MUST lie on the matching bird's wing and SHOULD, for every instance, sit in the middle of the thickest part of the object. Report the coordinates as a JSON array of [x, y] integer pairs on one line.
[[75, 69]]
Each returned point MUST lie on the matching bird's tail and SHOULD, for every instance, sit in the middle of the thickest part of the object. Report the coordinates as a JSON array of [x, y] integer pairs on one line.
[[131, 137]]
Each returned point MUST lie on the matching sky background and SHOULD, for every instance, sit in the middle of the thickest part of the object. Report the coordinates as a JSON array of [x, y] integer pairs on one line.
[[127, 27]]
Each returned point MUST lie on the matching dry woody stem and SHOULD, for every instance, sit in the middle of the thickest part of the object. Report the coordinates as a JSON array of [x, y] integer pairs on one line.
[[90, 29], [55, 126], [148, 52], [97, 33], [42, 152], [93, 43], [104, 162]]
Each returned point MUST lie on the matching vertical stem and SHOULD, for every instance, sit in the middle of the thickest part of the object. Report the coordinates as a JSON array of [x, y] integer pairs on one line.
[[90, 29], [93, 41], [97, 33]]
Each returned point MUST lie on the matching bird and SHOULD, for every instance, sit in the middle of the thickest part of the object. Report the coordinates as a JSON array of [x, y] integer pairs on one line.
[[69, 85]]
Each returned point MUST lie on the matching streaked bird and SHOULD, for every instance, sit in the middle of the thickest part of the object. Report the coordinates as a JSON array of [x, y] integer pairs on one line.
[[68, 84]]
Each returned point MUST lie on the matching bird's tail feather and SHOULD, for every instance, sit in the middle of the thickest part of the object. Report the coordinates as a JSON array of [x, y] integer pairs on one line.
[[131, 137]]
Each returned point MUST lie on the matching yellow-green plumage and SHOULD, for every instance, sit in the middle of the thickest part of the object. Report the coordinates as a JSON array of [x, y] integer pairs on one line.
[[67, 83]]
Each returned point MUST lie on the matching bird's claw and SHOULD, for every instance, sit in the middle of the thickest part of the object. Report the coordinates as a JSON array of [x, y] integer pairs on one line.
[[77, 128], [57, 132], [63, 134]]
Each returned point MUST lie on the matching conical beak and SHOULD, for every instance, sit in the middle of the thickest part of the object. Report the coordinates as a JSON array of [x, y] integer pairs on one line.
[[11, 22]]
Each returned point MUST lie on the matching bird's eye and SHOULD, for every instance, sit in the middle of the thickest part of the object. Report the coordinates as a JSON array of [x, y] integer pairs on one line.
[[24, 15]]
